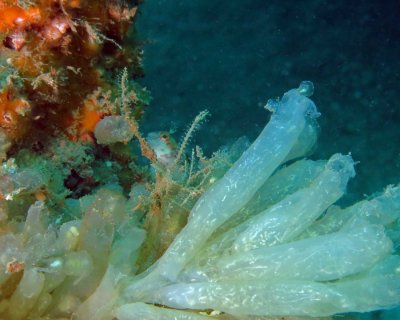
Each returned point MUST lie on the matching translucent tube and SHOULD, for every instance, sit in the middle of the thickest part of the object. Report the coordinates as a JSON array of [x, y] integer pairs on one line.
[[144, 311], [26, 294], [288, 218], [288, 297], [241, 182], [322, 258]]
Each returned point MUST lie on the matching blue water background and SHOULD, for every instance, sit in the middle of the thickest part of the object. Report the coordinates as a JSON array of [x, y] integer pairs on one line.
[[231, 56]]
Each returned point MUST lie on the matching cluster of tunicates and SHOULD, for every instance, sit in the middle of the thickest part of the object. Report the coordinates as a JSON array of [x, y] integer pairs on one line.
[[265, 240]]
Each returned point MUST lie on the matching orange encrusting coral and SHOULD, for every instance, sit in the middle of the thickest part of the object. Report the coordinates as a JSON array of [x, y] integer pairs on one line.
[[87, 121], [9, 17], [12, 17]]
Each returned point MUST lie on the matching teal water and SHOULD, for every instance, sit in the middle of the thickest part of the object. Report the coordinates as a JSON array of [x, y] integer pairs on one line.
[[231, 56]]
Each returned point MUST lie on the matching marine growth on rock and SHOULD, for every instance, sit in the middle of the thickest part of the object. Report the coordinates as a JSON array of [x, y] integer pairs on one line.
[[99, 222]]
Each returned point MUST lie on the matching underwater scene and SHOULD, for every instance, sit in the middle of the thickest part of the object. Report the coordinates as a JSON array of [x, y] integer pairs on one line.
[[199, 160]]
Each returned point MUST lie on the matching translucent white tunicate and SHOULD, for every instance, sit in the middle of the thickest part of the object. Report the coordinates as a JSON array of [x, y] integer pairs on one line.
[[369, 290], [113, 129], [320, 258], [35, 220], [26, 294], [69, 235], [148, 312], [272, 105], [306, 88], [51, 265], [78, 263], [224, 198]]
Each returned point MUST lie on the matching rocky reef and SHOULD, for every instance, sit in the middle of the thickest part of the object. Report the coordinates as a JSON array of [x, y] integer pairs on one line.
[[98, 221]]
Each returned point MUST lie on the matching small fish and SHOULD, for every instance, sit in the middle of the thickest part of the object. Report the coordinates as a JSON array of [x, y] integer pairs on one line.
[[164, 145]]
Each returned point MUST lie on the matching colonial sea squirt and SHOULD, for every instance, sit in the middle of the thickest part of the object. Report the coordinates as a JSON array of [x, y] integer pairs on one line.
[[253, 244], [262, 238]]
